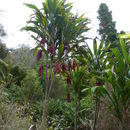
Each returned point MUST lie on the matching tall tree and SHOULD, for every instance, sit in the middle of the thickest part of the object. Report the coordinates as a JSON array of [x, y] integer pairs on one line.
[[107, 25], [3, 49]]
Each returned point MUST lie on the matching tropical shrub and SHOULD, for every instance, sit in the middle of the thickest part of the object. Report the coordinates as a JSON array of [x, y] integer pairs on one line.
[[31, 90], [57, 31], [119, 78], [96, 62], [61, 114], [9, 114], [10, 73]]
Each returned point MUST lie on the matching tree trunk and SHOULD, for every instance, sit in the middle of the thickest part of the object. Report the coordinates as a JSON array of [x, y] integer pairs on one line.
[[76, 112], [49, 83], [96, 114], [44, 124]]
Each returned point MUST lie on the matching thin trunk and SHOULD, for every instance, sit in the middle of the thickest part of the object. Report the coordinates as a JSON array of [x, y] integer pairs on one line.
[[44, 124], [94, 123], [51, 77], [49, 84], [76, 112], [45, 115], [96, 114]]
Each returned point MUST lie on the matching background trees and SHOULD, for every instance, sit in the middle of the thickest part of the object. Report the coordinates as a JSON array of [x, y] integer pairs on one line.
[[23, 56], [107, 25], [3, 48]]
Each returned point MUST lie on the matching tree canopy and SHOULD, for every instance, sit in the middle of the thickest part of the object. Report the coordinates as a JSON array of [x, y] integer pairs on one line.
[[3, 48], [107, 27]]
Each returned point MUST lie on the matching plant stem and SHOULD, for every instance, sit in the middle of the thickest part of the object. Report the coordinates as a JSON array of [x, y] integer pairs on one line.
[[45, 115], [49, 83], [76, 111], [44, 123], [97, 104]]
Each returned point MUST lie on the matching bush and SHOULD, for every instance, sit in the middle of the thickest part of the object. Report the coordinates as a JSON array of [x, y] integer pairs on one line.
[[58, 89], [31, 90], [9, 114], [14, 93], [61, 114], [30, 95]]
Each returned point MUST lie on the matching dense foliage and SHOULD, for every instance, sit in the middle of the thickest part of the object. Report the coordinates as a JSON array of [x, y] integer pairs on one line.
[[3, 48], [67, 85], [107, 25]]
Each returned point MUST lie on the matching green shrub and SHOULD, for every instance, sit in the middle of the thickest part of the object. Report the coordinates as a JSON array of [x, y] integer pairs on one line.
[[31, 90], [14, 93], [61, 113], [9, 114]]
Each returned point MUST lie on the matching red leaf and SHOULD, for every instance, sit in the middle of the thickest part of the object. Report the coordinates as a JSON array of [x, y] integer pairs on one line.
[[51, 49], [98, 83], [39, 54], [68, 97], [40, 71], [69, 65], [74, 64], [67, 47], [43, 41], [57, 67], [68, 79], [63, 68]]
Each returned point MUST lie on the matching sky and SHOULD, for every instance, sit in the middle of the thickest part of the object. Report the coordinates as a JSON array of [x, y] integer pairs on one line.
[[14, 16]]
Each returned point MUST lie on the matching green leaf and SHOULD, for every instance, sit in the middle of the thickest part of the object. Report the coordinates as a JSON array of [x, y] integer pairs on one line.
[[44, 21], [122, 44], [90, 52], [95, 46], [124, 36], [35, 50], [85, 89], [93, 89], [101, 44], [119, 59], [45, 7], [45, 51], [102, 90], [128, 84], [2, 76], [129, 59], [61, 49], [3, 65], [127, 41], [32, 6], [33, 29]]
